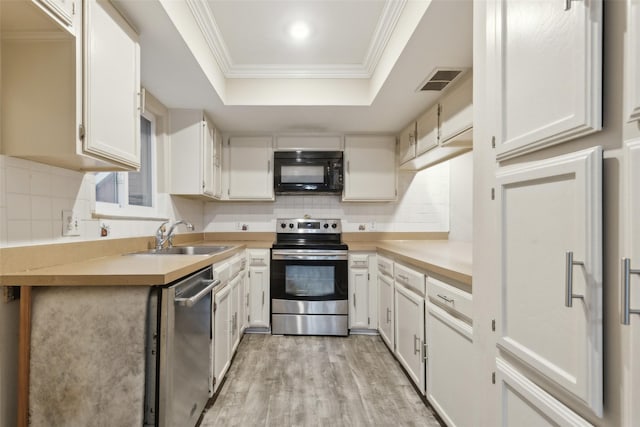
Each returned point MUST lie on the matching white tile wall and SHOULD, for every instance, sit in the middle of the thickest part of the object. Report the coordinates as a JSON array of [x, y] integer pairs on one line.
[[422, 205]]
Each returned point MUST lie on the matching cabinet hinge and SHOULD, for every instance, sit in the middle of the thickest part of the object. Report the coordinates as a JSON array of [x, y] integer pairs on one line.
[[228, 191], [425, 348], [249, 273], [203, 184], [396, 190], [215, 306], [493, 378], [493, 142], [213, 383], [368, 277], [81, 131], [368, 320], [73, 8], [248, 318], [493, 325], [493, 194]]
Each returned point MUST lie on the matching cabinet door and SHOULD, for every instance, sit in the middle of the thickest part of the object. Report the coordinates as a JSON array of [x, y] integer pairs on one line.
[[385, 310], [632, 251], [234, 311], [409, 336], [549, 72], [221, 334], [370, 168], [456, 114], [359, 298], [259, 297], [551, 305], [527, 405], [449, 366], [427, 131], [251, 168], [208, 157], [407, 143], [632, 60], [217, 164], [112, 86]]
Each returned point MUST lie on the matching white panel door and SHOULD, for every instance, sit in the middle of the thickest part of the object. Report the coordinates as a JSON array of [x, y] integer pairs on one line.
[[385, 310], [527, 405], [548, 210], [251, 168], [427, 130], [259, 302], [370, 168], [456, 113], [409, 336], [358, 298], [208, 157], [221, 333], [234, 310], [631, 232], [548, 72], [112, 85], [407, 143], [449, 366], [632, 60]]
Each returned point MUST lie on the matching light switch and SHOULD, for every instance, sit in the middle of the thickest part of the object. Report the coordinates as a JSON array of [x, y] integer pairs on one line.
[[70, 223]]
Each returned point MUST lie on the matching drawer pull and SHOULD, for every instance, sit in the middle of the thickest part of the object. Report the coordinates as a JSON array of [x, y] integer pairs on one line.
[[449, 300], [403, 277], [416, 344], [388, 315]]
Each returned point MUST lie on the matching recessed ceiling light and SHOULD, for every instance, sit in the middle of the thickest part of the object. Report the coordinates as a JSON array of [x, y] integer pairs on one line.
[[299, 30]]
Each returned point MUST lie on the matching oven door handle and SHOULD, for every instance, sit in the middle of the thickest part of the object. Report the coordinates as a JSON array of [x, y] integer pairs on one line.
[[310, 256]]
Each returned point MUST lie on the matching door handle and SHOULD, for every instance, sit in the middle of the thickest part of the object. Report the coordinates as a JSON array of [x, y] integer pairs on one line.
[[627, 271], [354, 300], [416, 344], [262, 297], [569, 295]]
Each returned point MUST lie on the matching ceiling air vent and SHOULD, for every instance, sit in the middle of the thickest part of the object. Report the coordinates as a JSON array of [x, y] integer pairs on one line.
[[440, 78]]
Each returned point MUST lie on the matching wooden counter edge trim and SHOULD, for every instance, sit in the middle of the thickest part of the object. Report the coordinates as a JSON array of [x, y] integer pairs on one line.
[[24, 356]]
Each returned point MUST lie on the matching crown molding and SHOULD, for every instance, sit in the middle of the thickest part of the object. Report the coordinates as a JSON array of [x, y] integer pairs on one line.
[[206, 22]]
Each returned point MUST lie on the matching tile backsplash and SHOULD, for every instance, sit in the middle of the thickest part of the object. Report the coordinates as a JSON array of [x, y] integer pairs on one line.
[[422, 205]]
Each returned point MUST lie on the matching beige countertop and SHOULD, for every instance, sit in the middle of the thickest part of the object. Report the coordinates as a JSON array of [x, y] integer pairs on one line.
[[447, 258]]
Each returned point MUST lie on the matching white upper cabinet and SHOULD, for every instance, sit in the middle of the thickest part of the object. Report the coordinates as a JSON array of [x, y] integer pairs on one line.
[[251, 168], [195, 144], [78, 83], [309, 142], [550, 217], [631, 323], [407, 142], [370, 168], [632, 60], [456, 114], [112, 85], [548, 55], [427, 130]]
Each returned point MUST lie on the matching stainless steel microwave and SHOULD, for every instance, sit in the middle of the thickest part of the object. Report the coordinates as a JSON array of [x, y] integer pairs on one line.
[[303, 172]]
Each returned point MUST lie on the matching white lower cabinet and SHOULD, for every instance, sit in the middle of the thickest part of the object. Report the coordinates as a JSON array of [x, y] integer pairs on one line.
[[449, 365], [221, 335], [409, 333], [259, 291], [385, 302], [524, 404], [550, 217], [360, 288], [234, 314]]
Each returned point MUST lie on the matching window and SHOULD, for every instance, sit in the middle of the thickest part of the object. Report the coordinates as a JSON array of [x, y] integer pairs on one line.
[[131, 193]]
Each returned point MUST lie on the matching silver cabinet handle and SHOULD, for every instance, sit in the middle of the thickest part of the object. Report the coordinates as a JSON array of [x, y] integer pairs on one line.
[[190, 302], [416, 344], [354, 300], [268, 166], [388, 315], [567, 4], [348, 166], [449, 300], [569, 295], [246, 297], [262, 297], [627, 271]]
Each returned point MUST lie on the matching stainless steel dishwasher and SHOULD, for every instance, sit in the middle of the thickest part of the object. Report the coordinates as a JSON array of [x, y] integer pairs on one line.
[[178, 351]]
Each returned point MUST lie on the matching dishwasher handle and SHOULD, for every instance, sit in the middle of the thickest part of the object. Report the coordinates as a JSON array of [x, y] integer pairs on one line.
[[190, 302]]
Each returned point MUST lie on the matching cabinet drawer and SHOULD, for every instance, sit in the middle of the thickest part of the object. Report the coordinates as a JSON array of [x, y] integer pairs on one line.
[[410, 278], [358, 260], [385, 266], [258, 258], [221, 272], [450, 297], [236, 265]]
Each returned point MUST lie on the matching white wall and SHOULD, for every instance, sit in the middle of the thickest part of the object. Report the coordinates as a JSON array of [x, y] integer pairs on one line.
[[422, 205], [461, 198]]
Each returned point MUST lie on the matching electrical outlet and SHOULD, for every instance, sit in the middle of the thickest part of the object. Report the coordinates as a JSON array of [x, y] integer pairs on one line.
[[362, 227], [70, 223]]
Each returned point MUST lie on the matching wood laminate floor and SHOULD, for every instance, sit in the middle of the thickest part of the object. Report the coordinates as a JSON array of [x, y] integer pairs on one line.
[[316, 381]]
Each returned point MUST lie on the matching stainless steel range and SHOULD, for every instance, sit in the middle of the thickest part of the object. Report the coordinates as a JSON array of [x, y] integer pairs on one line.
[[309, 289]]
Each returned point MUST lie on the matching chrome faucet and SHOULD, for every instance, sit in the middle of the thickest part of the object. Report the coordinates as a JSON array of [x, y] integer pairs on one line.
[[161, 239]]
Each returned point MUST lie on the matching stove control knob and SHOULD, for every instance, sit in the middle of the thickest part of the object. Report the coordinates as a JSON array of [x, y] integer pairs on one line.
[[283, 225], [326, 226], [290, 225], [334, 225]]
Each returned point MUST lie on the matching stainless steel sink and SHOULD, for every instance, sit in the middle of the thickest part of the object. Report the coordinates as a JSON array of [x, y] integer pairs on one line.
[[186, 250]]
